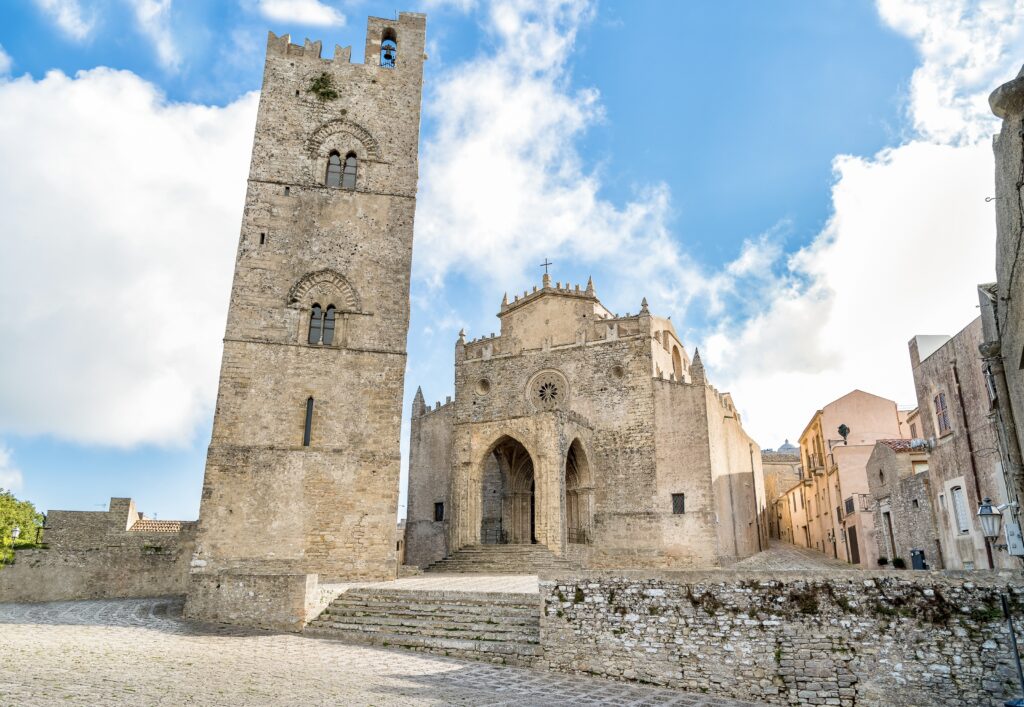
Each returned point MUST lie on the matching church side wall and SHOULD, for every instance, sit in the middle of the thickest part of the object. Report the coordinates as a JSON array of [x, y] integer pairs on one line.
[[684, 466], [430, 480]]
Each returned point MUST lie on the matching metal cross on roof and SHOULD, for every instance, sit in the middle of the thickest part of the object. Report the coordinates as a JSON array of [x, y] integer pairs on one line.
[[545, 265]]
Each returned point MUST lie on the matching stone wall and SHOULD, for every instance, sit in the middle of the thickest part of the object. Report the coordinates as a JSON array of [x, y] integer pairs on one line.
[[102, 555], [904, 519], [966, 456], [282, 602], [430, 463], [1005, 306], [849, 638]]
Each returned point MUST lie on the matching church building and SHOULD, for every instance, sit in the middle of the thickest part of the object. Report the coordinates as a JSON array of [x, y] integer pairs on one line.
[[586, 433]]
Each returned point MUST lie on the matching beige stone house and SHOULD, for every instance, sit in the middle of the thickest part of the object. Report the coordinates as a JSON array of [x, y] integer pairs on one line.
[[901, 491], [588, 433], [834, 495], [965, 463]]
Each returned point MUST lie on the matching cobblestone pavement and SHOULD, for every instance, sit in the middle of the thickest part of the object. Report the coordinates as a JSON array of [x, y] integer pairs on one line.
[[140, 652], [783, 556]]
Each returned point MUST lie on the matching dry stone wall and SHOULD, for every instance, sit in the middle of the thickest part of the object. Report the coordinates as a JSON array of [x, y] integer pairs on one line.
[[850, 638]]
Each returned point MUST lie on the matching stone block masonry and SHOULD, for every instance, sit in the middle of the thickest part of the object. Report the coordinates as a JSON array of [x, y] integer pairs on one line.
[[109, 554], [859, 638]]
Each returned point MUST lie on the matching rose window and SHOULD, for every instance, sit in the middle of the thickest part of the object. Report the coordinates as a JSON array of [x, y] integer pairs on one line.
[[548, 390]]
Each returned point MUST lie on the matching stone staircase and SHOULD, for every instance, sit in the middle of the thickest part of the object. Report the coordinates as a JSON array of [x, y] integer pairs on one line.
[[490, 626], [501, 559]]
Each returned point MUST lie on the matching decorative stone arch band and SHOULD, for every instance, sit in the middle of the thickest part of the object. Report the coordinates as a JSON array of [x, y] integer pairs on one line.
[[548, 390], [347, 297], [344, 137]]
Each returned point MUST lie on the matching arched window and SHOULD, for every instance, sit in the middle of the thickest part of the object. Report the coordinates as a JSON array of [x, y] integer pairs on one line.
[[348, 176], [388, 49], [315, 324], [307, 429], [677, 364], [329, 326], [334, 170]]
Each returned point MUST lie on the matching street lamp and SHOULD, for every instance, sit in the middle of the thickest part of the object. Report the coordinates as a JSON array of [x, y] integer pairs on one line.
[[16, 533], [991, 519]]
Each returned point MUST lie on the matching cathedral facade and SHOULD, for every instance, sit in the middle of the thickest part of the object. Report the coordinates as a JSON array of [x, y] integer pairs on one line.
[[592, 434]]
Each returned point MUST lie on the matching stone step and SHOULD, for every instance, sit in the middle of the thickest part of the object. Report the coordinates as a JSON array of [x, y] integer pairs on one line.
[[493, 626], [476, 632], [434, 612], [500, 559], [507, 652]]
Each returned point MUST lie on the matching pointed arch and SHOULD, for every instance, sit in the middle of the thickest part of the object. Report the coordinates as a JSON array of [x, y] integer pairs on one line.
[[579, 494], [508, 492]]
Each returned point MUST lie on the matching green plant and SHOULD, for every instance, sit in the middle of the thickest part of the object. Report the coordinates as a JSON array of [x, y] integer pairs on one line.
[[578, 598], [805, 600], [323, 87], [899, 563], [883, 561]]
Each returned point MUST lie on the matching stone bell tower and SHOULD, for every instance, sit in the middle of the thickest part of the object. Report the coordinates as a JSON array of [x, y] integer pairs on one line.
[[302, 473]]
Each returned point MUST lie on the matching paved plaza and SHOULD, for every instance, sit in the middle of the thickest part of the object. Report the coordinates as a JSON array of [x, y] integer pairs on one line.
[[140, 652], [783, 556]]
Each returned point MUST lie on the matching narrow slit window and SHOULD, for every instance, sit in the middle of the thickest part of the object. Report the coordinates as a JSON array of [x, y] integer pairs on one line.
[[287, 191], [307, 430], [438, 512], [678, 503], [315, 324], [329, 326], [263, 238], [348, 176], [334, 170]]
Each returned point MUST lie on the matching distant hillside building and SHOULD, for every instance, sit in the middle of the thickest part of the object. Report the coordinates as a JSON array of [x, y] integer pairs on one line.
[[589, 433]]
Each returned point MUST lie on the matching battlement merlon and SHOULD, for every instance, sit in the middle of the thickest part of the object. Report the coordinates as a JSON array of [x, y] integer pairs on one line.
[[408, 32]]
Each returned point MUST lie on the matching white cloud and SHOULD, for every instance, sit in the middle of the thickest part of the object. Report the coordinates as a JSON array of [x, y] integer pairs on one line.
[[510, 115], [118, 231], [5, 62], [69, 17], [304, 12], [909, 238], [966, 49], [153, 19], [10, 476]]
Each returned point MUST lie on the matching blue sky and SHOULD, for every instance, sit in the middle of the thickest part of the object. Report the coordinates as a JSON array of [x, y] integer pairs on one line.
[[787, 180]]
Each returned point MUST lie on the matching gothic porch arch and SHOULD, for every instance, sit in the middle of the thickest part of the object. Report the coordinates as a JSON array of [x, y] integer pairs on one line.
[[508, 493], [578, 494]]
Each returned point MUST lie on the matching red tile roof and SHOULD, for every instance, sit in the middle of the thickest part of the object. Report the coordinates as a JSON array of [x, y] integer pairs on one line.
[[148, 525]]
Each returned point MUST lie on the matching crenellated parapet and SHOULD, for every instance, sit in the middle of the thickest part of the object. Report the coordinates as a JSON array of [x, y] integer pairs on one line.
[[378, 31]]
